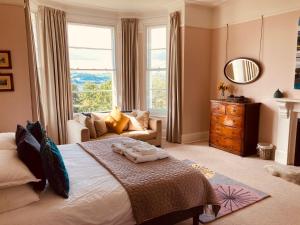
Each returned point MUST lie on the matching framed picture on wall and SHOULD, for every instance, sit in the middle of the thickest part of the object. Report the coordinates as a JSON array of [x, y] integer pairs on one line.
[[6, 82], [297, 70], [5, 59]]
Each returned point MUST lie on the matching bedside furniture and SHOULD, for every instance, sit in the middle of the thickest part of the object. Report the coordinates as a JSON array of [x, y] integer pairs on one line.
[[234, 126]]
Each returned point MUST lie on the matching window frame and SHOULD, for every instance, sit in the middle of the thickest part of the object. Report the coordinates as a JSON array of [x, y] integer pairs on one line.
[[113, 70], [148, 49]]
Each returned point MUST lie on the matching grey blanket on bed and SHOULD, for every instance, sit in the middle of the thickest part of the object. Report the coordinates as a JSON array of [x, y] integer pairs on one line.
[[154, 188]]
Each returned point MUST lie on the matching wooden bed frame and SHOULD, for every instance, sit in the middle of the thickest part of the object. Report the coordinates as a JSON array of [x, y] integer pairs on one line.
[[176, 217]]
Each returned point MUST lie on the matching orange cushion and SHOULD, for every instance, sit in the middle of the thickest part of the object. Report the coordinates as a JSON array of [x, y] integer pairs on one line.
[[117, 126]]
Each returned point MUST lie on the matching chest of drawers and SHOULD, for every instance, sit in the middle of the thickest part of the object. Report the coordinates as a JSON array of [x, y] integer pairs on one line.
[[234, 127]]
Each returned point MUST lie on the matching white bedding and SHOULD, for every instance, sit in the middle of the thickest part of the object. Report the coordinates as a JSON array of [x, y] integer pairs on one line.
[[96, 197]]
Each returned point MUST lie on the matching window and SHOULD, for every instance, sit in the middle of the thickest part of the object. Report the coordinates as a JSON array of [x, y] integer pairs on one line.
[[157, 69], [92, 64]]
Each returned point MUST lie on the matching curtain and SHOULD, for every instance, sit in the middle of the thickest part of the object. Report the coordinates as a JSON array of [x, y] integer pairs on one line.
[[37, 109], [129, 78], [174, 81], [56, 81]]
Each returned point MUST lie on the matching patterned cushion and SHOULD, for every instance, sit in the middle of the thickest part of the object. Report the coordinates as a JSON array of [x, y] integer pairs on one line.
[[29, 152], [36, 130], [54, 168]]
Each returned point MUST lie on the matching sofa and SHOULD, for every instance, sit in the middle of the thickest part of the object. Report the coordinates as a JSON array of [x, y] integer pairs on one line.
[[76, 132]]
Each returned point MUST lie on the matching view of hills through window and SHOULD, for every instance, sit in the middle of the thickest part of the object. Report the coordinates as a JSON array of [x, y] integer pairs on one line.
[[91, 51], [157, 69]]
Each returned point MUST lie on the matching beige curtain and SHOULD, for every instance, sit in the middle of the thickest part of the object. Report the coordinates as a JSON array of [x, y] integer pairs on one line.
[[57, 86], [129, 78], [37, 109], [174, 81]]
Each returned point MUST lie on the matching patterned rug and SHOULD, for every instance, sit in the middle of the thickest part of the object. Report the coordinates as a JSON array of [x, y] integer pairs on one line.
[[232, 194]]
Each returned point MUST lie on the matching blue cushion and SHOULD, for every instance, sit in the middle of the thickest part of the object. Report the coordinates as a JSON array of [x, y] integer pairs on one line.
[[28, 150], [54, 168], [36, 130]]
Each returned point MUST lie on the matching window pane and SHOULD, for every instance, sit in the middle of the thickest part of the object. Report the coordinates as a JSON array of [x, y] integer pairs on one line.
[[89, 36], [158, 37], [158, 99], [92, 90], [90, 59], [158, 59], [157, 80]]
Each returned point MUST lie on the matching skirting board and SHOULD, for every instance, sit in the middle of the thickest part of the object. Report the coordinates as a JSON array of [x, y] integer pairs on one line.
[[194, 137]]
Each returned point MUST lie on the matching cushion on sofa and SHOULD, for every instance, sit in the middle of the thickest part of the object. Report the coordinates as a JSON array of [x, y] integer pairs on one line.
[[8, 141], [140, 135], [89, 123], [142, 117], [100, 127], [116, 121]]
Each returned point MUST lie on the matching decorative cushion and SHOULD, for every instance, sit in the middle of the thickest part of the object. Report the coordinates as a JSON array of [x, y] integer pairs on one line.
[[135, 124], [36, 130], [8, 141], [99, 116], [16, 197], [117, 126], [29, 152], [13, 171], [54, 168], [116, 113], [89, 123], [100, 127], [142, 118]]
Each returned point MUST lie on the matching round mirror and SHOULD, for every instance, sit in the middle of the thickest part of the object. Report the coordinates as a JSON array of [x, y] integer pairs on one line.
[[242, 70]]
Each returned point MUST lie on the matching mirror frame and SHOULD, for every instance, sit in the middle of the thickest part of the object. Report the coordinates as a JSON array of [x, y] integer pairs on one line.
[[253, 60]]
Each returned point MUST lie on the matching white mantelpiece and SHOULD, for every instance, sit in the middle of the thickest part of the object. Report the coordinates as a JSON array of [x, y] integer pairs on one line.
[[289, 112]]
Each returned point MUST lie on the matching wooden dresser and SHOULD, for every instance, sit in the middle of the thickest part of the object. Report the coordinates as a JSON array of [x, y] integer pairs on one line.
[[234, 127]]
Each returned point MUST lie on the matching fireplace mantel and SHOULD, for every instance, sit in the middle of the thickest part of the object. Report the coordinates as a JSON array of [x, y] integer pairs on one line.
[[288, 114]]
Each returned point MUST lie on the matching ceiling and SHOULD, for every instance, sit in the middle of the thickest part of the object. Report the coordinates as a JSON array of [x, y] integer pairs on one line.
[[132, 5]]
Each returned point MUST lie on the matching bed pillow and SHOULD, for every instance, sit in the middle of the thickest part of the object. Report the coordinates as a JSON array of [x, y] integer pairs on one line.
[[89, 123], [16, 197], [8, 141], [13, 171], [29, 152], [54, 168], [100, 127], [36, 130]]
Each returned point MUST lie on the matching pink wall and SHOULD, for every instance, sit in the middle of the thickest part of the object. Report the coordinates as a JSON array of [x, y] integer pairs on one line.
[[196, 78], [278, 62], [15, 106]]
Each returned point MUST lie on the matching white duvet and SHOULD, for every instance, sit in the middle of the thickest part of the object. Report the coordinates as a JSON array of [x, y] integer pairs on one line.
[[96, 197]]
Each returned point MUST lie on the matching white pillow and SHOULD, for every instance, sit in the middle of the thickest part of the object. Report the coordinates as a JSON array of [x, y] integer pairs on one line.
[[134, 124], [13, 171], [141, 121], [16, 197], [8, 141]]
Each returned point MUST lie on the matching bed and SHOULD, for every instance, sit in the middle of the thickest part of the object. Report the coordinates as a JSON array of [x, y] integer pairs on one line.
[[96, 197]]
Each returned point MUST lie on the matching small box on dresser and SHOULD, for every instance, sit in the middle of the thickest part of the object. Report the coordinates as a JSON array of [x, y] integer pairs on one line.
[[234, 126]]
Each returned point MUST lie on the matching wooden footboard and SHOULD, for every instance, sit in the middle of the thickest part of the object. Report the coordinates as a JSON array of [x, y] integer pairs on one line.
[[176, 217]]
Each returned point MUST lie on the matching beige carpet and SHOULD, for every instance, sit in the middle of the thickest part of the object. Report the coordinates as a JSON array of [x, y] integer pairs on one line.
[[282, 208]]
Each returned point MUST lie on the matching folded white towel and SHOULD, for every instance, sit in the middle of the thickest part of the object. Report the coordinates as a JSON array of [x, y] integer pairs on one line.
[[139, 146], [118, 148], [138, 151], [139, 158]]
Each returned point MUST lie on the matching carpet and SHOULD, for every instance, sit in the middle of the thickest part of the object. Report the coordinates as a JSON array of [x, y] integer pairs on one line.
[[232, 195]]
